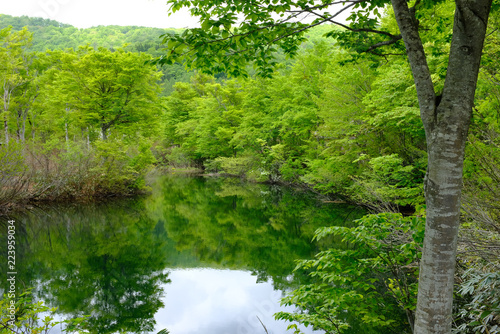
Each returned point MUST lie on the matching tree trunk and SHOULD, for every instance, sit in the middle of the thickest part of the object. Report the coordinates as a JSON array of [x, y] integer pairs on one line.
[[88, 139], [442, 193], [67, 135], [6, 102], [22, 113], [33, 129], [23, 128], [6, 127], [446, 124], [104, 134]]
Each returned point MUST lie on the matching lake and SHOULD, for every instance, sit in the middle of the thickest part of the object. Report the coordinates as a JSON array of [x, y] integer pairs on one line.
[[197, 255]]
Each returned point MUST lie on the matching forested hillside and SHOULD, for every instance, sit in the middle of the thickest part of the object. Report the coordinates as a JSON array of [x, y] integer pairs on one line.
[[87, 112], [52, 35]]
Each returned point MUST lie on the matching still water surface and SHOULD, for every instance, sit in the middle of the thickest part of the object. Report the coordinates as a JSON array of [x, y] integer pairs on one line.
[[197, 255]]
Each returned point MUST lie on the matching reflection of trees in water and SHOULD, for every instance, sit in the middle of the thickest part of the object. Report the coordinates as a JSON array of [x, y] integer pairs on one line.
[[106, 261], [21, 251], [225, 222]]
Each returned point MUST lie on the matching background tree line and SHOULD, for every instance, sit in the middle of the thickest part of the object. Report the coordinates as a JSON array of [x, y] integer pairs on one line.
[[77, 122]]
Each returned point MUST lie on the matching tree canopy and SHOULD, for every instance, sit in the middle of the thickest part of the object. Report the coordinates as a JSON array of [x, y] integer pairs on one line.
[[236, 33]]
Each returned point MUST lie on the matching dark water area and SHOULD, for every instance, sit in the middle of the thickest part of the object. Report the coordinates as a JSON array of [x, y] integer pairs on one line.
[[197, 255]]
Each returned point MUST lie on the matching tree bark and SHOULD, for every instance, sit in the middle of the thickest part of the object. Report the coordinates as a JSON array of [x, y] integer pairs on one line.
[[22, 114], [6, 101], [104, 131], [446, 125]]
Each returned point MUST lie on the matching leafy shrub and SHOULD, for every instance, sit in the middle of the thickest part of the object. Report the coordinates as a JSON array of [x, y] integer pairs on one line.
[[387, 182], [332, 175], [25, 316], [372, 264], [235, 166], [13, 173], [120, 168], [177, 157], [80, 171], [481, 314]]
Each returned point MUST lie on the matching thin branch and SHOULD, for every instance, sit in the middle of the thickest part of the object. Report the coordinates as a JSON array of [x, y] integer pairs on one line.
[[330, 19], [389, 42], [492, 32], [351, 3], [262, 325]]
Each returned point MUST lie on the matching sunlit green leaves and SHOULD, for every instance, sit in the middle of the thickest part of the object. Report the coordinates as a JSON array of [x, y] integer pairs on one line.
[[15, 76], [227, 42], [376, 264], [32, 316], [103, 89]]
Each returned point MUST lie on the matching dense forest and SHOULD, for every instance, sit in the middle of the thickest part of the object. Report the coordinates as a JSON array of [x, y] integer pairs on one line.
[[87, 113]]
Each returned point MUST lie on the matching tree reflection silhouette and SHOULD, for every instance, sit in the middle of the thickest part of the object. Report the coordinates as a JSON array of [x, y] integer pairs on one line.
[[109, 261], [105, 261], [232, 224]]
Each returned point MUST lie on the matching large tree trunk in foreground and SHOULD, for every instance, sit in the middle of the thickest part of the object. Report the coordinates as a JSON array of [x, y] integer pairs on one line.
[[446, 120]]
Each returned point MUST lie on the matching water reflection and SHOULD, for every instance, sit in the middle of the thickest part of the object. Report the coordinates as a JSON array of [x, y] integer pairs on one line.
[[105, 261], [213, 301], [110, 260]]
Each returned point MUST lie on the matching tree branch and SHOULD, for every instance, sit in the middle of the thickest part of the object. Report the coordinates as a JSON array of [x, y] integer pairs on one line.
[[384, 43], [407, 24]]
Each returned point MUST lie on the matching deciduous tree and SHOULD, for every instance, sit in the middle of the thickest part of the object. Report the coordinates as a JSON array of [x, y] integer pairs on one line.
[[107, 89], [13, 71]]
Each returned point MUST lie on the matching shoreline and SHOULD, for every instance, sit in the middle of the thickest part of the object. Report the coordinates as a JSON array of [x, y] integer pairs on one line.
[[30, 201]]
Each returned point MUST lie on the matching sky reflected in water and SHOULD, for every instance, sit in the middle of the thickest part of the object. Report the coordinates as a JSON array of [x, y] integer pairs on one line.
[[212, 301]]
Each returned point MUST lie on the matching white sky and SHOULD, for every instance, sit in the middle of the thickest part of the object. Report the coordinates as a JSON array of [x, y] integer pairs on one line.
[[211, 301], [88, 13]]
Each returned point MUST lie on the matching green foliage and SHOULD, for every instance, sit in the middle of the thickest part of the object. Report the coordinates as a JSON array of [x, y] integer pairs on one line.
[[376, 264], [164, 331], [316, 122], [79, 172], [24, 315], [53, 35], [387, 181], [228, 42], [236, 166], [59, 106], [105, 259], [481, 312], [121, 168], [13, 173], [393, 105], [103, 89], [12, 161], [15, 77], [344, 123]]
